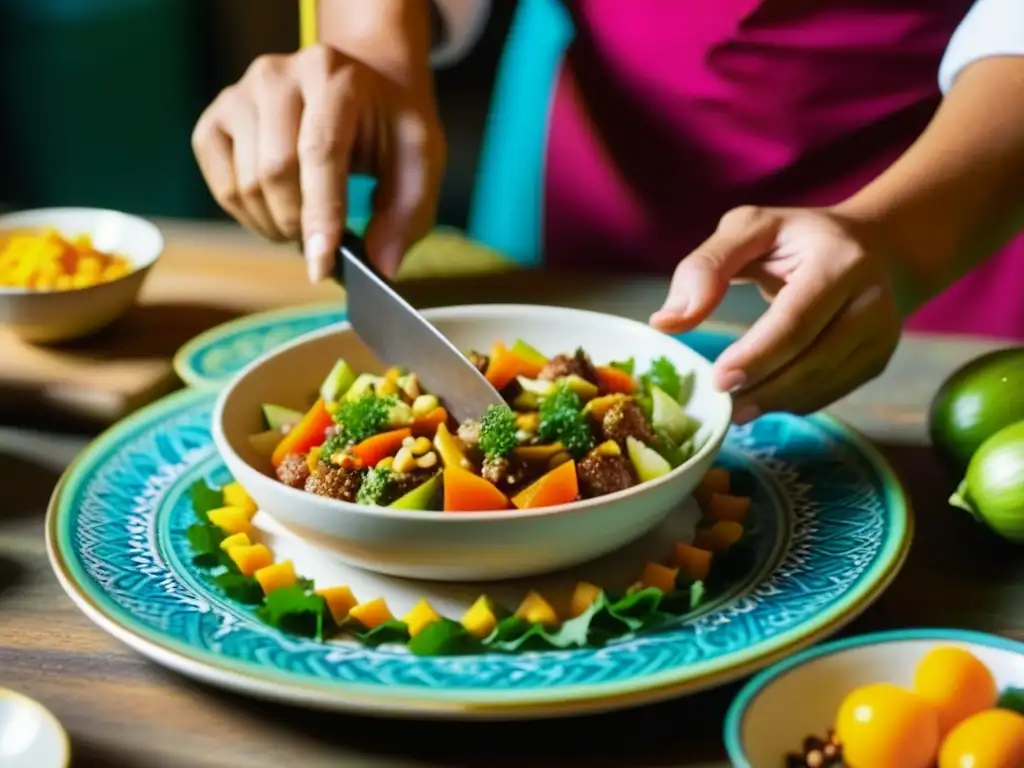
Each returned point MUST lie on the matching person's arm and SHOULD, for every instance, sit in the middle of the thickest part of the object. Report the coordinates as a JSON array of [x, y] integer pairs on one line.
[[957, 194]]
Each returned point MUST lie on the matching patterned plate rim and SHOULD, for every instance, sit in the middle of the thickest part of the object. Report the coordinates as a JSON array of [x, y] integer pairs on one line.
[[246, 677]]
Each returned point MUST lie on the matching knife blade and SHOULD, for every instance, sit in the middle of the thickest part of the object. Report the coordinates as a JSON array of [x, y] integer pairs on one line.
[[400, 336]]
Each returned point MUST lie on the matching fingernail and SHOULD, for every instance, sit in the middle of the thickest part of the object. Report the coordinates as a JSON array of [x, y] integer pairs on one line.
[[746, 414], [675, 306], [733, 381], [316, 255]]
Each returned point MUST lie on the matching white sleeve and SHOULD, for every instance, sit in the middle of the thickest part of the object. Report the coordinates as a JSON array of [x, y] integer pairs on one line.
[[991, 28], [464, 22]]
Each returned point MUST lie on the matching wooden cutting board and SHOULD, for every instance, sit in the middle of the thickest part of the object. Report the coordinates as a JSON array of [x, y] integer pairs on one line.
[[208, 274]]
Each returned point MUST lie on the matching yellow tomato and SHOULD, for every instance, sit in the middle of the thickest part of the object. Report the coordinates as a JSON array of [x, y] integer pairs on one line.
[[884, 726], [956, 683], [990, 739]]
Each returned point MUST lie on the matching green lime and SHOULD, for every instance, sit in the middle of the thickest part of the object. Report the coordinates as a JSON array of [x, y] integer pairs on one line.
[[993, 489]]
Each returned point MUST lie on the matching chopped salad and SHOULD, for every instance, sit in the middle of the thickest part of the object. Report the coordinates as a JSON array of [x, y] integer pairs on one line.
[[569, 430]]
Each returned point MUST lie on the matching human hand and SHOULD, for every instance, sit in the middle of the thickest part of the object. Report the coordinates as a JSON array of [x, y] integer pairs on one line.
[[832, 323], [277, 147]]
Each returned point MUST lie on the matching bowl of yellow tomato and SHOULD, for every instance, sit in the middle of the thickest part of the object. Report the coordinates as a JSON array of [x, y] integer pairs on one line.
[[68, 272], [923, 698]]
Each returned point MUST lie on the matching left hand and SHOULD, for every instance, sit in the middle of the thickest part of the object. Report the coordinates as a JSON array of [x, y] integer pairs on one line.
[[832, 324]]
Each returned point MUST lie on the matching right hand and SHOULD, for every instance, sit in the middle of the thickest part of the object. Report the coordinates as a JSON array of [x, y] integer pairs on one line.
[[276, 150]]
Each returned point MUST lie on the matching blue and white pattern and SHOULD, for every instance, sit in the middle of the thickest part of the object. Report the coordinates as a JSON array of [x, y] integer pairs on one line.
[[213, 358], [120, 520]]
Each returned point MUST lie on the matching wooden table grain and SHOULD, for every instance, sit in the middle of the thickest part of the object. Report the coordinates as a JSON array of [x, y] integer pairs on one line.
[[124, 711]]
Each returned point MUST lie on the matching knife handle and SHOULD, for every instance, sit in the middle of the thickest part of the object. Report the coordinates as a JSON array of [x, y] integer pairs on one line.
[[353, 247]]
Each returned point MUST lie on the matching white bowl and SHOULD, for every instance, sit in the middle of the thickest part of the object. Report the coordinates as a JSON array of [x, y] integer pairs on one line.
[[49, 316], [800, 697], [466, 546], [30, 736]]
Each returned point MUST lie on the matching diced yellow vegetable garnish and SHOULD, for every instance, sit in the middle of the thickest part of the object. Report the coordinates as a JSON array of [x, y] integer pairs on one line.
[[340, 601], [660, 577], [481, 619], [250, 559], [536, 610], [276, 576], [230, 520], [537, 453], [583, 597], [235, 540], [692, 562], [715, 481], [314, 456], [449, 448], [236, 496], [599, 406], [722, 506], [718, 537], [420, 617], [372, 613]]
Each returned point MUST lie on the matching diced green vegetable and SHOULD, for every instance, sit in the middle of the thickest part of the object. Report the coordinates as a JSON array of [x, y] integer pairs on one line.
[[626, 366], [363, 385], [421, 497], [647, 463], [562, 420], [668, 416], [358, 420], [664, 375], [338, 382], [539, 387], [278, 417], [525, 351], [264, 443], [374, 486]]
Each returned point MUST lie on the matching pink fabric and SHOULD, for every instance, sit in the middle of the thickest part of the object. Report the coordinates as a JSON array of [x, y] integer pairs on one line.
[[669, 112]]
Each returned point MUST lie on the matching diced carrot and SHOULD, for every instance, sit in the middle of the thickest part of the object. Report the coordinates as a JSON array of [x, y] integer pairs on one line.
[[536, 610], [428, 423], [583, 597], [304, 435], [276, 576], [559, 486], [692, 562], [718, 537], [715, 481], [613, 380], [505, 365], [340, 601], [373, 449], [659, 576], [236, 496], [250, 559], [372, 613], [722, 506], [466, 492], [231, 520]]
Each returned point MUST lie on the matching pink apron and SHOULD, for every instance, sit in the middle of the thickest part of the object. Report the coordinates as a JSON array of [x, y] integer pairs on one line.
[[667, 113]]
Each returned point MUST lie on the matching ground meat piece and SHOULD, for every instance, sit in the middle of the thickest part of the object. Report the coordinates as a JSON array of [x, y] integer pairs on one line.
[[566, 365], [293, 470], [624, 420], [480, 361], [600, 475], [469, 432], [335, 482], [505, 473]]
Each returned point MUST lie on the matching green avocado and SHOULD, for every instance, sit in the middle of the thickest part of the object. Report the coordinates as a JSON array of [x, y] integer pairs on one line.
[[647, 463], [974, 403], [669, 418], [419, 498]]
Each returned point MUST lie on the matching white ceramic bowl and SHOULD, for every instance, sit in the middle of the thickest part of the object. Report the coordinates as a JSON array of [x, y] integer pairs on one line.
[[30, 736], [473, 545], [800, 697], [50, 316]]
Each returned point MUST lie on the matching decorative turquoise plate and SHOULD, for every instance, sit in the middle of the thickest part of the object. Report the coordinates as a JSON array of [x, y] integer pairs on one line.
[[212, 358], [831, 528]]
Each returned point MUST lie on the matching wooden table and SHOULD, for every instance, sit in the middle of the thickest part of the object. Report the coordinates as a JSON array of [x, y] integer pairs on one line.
[[124, 711]]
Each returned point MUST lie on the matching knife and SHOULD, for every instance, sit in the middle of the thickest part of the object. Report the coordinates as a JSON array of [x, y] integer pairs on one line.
[[400, 336]]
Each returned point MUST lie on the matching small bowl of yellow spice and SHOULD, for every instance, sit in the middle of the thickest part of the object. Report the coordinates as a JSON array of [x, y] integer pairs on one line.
[[68, 272]]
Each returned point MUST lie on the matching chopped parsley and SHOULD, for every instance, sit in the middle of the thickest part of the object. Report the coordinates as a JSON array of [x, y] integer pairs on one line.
[[374, 486], [498, 431], [359, 420], [664, 375], [562, 420], [296, 609]]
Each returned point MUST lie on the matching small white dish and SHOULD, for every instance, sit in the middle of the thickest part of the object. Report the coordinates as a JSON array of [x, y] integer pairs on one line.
[[51, 316], [30, 736], [799, 697], [466, 546]]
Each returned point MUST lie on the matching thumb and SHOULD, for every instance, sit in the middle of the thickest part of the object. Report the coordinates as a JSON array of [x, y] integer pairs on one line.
[[702, 278]]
